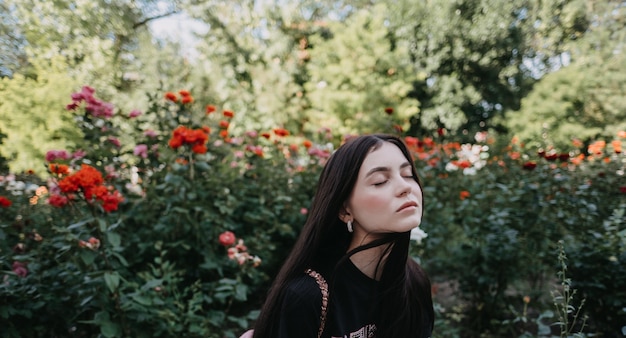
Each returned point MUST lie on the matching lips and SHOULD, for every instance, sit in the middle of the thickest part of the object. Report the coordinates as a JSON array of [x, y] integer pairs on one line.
[[407, 205]]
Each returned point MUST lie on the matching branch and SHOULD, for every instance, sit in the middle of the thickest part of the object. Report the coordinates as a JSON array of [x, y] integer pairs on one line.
[[146, 20]]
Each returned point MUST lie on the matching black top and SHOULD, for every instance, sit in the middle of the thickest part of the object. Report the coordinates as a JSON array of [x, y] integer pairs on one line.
[[352, 300]]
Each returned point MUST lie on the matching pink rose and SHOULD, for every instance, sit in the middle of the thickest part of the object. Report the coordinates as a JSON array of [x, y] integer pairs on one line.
[[232, 252], [53, 155], [115, 141], [227, 238], [78, 154], [141, 150], [20, 269]]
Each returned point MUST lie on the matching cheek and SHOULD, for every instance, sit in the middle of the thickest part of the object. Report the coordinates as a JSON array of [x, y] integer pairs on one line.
[[368, 204], [418, 192]]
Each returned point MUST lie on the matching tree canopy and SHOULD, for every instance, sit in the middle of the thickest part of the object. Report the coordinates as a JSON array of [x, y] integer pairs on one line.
[[542, 70]]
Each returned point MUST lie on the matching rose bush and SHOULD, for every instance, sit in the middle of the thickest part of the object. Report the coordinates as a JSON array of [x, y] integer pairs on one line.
[[172, 221], [123, 236], [493, 235]]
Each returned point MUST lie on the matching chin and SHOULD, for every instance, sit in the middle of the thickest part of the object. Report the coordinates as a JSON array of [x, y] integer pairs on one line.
[[409, 226]]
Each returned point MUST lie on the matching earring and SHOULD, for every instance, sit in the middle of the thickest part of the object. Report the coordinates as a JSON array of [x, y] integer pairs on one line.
[[349, 225]]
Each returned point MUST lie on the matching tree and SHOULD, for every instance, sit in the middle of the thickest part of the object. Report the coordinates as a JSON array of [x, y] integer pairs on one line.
[[12, 55], [32, 115], [248, 63], [585, 99], [355, 74], [63, 45], [473, 56]]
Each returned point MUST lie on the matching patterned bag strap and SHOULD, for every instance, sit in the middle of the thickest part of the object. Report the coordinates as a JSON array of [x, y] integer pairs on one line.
[[321, 282]]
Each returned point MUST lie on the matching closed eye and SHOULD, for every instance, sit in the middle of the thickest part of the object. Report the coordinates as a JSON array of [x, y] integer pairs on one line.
[[380, 183]]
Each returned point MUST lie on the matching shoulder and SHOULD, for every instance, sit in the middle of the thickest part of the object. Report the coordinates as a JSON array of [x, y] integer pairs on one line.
[[301, 308], [415, 271], [303, 290]]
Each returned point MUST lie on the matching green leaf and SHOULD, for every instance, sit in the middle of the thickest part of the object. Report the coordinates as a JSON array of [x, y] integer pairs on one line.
[[202, 166], [114, 239], [112, 280], [149, 285], [86, 300], [241, 321], [241, 292], [87, 256], [180, 210], [143, 300], [79, 224], [254, 314], [102, 224], [109, 329], [120, 258], [115, 225]]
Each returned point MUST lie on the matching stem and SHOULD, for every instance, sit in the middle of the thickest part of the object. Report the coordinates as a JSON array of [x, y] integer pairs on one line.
[[566, 298], [576, 316], [109, 266], [191, 171]]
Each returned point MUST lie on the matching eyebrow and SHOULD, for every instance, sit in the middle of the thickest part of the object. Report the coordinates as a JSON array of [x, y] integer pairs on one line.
[[379, 169]]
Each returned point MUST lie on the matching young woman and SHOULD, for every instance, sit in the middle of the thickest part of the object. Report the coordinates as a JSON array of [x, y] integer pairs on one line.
[[357, 237]]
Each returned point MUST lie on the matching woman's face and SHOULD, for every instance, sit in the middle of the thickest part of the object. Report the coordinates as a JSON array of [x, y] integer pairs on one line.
[[385, 197]]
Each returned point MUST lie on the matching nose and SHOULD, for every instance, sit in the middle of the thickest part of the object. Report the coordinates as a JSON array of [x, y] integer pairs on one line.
[[405, 187]]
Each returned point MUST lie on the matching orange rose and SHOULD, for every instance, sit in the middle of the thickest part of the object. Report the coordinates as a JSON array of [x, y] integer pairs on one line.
[[464, 194]]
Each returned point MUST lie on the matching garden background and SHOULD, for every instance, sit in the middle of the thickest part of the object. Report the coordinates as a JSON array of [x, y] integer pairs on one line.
[[151, 184]]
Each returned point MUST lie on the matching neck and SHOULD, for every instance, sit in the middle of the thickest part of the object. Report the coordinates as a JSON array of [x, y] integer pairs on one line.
[[370, 261]]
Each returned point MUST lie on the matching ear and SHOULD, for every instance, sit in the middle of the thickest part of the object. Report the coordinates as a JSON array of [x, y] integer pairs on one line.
[[345, 215]]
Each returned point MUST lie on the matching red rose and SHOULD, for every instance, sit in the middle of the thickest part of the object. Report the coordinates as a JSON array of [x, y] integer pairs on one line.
[[171, 97], [411, 141], [199, 149], [5, 202], [57, 200], [281, 132], [227, 238], [530, 165], [59, 169], [551, 156], [187, 99]]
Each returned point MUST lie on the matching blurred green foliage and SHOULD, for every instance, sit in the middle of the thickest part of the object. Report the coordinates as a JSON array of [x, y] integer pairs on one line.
[[546, 71]]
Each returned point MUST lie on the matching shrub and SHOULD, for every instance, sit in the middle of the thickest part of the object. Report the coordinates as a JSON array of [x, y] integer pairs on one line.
[[124, 237], [493, 233]]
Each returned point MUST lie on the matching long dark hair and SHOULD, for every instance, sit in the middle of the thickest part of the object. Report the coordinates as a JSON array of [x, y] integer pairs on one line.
[[405, 307]]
